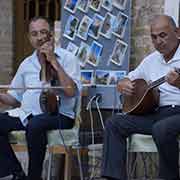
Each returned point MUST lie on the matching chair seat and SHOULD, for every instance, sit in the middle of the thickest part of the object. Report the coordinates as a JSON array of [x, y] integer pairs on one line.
[[54, 137], [70, 136], [17, 137], [142, 143]]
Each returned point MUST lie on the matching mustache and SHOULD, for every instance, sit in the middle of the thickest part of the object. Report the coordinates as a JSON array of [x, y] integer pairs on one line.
[[40, 42]]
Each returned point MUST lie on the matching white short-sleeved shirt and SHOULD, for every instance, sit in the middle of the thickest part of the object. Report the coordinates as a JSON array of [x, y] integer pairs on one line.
[[28, 75], [154, 67]]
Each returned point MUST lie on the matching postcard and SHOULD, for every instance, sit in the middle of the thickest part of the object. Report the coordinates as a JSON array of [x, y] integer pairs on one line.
[[70, 5], [107, 4], [115, 76], [73, 48], [120, 75], [95, 5], [120, 4], [119, 25], [119, 51], [101, 77], [71, 27], [107, 26], [87, 77], [83, 53], [96, 26], [84, 27], [94, 53], [83, 5]]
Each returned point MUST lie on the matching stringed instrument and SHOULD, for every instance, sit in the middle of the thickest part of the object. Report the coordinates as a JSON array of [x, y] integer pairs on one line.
[[145, 97], [49, 101]]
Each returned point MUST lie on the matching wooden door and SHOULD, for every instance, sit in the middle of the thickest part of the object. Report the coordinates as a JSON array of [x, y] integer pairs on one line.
[[24, 11]]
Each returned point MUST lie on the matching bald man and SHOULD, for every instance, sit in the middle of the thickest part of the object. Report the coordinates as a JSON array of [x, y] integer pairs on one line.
[[163, 123]]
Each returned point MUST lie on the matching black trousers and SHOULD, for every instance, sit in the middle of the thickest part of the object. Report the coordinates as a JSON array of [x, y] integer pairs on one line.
[[163, 125], [36, 141]]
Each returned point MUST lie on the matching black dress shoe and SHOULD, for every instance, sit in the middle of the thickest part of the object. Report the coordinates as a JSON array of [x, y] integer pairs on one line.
[[19, 176]]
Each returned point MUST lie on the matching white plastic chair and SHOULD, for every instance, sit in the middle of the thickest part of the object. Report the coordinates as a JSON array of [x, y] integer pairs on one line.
[[144, 146]]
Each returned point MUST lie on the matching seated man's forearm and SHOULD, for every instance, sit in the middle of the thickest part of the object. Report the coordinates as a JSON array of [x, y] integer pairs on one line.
[[9, 100]]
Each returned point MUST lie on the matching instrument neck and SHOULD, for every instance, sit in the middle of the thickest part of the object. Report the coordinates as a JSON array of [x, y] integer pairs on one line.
[[42, 61], [157, 82], [161, 80]]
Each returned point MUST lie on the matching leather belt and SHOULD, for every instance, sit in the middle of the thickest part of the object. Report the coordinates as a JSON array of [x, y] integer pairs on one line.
[[170, 106]]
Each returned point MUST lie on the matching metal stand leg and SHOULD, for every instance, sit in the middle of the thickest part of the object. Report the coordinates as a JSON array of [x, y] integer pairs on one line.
[[49, 166]]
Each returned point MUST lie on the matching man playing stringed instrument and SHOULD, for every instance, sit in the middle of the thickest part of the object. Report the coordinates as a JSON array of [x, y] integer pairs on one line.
[[29, 115], [163, 122]]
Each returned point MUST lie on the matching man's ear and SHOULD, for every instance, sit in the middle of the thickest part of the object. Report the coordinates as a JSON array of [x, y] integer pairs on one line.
[[177, 30], [52, 33], [29, 38]]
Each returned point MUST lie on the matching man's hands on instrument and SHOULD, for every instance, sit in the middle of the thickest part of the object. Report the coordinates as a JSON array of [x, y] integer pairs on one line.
[[126, 86], [48, 49], [173, 78]]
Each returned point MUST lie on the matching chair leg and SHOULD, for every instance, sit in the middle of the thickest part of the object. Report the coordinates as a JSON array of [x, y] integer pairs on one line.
[[143, 156], [68, 165], [128, 166], [49, 166], [80, 165], [131, 165]]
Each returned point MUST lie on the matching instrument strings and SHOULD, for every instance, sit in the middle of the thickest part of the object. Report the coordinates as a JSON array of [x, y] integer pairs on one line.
[[8, 87]]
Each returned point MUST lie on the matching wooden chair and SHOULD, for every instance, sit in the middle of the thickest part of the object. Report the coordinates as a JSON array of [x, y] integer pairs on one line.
[[65, 142], [59, 142]]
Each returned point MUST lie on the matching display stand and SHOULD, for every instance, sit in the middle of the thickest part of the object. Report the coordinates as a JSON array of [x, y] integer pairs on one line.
[[98, 33]]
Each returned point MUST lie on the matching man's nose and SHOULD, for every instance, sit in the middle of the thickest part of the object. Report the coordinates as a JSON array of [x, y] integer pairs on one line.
[[158, 40], [41, 36]]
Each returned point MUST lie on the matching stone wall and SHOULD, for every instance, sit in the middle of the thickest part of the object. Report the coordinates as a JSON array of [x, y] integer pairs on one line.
[[142, 12], [6, 40]]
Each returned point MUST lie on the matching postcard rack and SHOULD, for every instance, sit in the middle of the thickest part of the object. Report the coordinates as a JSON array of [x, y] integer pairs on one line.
[[98, 33]]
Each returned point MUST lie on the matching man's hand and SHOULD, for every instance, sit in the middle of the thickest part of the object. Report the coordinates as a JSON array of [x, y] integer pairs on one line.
[[126, 87], [48, 49], [173, 78], [64, 80]]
